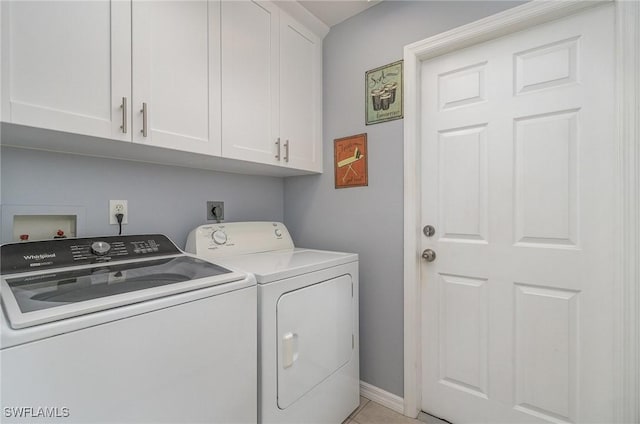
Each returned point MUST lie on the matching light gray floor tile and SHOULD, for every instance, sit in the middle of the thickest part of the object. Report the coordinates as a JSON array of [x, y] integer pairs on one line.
[[373, 413], [363, 402], [430, 419]]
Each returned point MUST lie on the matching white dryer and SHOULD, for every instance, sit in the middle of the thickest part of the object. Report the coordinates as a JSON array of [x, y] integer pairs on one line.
[[308, 347]]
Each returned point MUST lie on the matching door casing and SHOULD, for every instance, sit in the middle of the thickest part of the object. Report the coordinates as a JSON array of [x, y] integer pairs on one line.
[[627, 188]]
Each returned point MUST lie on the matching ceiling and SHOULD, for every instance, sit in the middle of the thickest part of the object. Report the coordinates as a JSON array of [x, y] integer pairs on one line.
[[332, 12]]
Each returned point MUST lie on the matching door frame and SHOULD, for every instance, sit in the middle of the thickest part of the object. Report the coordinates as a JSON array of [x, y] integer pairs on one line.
[[626, 280]]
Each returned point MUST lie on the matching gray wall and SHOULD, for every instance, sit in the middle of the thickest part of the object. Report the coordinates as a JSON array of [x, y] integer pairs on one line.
[[368, 220], [165, 199]]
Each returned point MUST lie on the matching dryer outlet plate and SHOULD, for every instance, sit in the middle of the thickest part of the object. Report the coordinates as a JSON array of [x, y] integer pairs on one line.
[[219, 210]]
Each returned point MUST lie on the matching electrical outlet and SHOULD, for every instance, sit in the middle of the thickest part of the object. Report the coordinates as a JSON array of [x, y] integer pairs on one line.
[[219, 210], [118, 206]]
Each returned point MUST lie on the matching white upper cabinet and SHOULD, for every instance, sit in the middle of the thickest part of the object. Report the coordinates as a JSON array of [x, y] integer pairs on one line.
[[272, 87], [234, 81], [67, 65], [250, 81], [300, 95], [176, 74], [88, 67]]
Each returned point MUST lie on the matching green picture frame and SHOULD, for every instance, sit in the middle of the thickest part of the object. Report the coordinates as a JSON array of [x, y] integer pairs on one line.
[[384, 94]]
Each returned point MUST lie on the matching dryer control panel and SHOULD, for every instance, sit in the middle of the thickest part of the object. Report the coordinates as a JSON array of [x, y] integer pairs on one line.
[[238, 238]]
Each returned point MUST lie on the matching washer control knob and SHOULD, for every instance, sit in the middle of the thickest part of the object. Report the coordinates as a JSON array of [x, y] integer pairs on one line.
[[100, 248], [219, 237], [278, 232]]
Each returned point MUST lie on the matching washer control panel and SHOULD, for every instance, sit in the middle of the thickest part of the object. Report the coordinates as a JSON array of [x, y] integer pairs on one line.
[[46, 254], [237, 238]]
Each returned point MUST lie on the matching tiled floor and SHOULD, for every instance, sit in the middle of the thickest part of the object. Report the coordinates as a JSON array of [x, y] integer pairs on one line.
[[370, 412]]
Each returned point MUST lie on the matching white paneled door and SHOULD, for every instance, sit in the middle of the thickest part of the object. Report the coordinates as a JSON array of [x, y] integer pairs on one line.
[[517, 180]]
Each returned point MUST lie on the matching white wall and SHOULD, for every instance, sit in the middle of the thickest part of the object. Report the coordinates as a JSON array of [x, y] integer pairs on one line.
[[161, 199], [368, 220]]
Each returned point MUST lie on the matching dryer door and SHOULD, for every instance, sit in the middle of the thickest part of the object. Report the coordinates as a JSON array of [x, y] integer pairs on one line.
[[315, 336]]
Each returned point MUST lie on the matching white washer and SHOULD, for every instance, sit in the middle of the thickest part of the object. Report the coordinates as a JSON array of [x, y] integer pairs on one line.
[[308, 369], [125, 329]]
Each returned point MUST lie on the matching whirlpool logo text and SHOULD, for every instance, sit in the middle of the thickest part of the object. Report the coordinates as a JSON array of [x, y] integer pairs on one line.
[[39, 257]]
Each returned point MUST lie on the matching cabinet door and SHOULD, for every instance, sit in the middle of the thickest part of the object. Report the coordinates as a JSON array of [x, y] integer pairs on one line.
[[66, 65], [250, 75], [300, 95], [176, 74]]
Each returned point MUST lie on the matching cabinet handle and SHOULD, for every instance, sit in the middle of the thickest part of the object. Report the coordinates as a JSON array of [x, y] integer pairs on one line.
[[123, 106], [286, 151], [278, 146], [144, 119]]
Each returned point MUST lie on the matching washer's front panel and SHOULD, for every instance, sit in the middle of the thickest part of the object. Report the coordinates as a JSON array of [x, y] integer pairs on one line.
[[194, 362]]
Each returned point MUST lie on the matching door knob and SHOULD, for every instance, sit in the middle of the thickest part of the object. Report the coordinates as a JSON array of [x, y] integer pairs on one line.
[[429, 255], [429, 230]]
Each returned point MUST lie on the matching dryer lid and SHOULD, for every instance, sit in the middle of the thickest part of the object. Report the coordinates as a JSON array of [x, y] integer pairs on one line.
[[277, 265]]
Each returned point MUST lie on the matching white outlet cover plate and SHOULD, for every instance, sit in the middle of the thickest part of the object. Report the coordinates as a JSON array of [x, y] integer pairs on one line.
[[112, 211]]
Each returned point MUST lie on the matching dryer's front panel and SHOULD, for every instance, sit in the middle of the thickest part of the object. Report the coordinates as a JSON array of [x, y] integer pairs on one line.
[[315, 336]]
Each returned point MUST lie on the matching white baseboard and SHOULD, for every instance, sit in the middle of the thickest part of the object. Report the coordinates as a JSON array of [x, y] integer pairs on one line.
[[384, 398]]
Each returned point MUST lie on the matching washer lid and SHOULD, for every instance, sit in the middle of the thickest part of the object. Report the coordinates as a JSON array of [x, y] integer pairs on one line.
[[280, 264], [40, 297]]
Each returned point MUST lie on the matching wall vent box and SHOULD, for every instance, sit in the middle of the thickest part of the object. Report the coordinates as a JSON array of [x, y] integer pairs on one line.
[[43, 227], [41, 222]]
